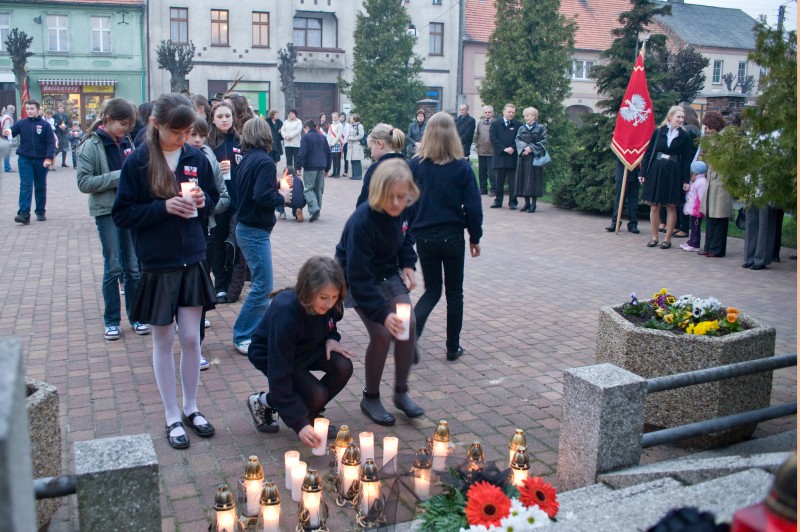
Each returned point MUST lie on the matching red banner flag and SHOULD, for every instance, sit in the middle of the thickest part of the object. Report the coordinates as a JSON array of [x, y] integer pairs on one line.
[[26, 95], [635, 121]]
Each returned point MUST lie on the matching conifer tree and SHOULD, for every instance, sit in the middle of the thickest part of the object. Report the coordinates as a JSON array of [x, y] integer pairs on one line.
[[529, 53], [386, 84]]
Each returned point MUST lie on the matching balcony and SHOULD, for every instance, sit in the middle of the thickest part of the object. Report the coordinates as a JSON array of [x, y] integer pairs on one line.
[[320, 58]]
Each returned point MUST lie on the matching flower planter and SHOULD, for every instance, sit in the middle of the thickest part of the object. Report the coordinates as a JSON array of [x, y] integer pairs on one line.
[[45, 442], [655, 353]]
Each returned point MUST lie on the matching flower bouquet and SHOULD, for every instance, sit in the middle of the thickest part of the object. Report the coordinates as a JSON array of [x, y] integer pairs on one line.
[[484, 500], [685, 314]]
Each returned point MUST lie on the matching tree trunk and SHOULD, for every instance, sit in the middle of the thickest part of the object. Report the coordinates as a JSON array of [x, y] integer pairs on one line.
[[177, 83]]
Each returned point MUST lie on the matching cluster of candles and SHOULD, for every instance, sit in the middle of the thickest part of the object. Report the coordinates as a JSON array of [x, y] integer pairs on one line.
[[354, 474]]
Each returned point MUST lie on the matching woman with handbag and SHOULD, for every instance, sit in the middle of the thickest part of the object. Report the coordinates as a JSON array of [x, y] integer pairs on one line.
[[531, 139]]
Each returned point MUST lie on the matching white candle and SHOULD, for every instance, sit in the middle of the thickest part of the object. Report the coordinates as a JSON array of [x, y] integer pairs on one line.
[[369, 493], [253, 491], [321, 429], [404, 313], [349, 475], [298, 474], [186, 192], [285, 184], [226, 176], [311, 503], [271, 516], [390, 444], [440, 449], [519, 476], [226, 520], [290, 459], [422, 483], [366, 441], [339, 453]]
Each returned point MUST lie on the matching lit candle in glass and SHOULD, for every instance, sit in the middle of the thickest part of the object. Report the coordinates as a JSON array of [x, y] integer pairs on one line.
[[186, 192], [351, 469], [366, 441], [517, 441], [422, 474], [270, 515], [290, 459], [441, 446], [286, 183], [251, 485], [321, 429], [403, 312], [390, 444], [343, 438], [224, 510], [519, 467], [226, 521], [370, 486], [311, 503], [313, 511], [298, 474]]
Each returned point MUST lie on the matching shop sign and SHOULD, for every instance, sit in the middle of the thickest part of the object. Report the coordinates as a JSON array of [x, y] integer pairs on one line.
[[99, 88], [60, 89]]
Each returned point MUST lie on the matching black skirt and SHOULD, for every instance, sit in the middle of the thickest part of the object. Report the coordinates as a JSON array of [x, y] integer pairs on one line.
[[160, 293], [390, 288]]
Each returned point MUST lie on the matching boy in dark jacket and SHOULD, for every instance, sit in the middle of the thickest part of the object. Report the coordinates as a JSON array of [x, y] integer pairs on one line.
[[315, 159]]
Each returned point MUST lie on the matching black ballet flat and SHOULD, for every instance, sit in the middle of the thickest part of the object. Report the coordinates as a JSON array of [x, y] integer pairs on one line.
[[177, 442], [373, 409], [404, 403], [206, 430]]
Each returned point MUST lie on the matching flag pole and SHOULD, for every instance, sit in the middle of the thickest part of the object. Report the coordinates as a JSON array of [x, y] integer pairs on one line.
[[622, 198]]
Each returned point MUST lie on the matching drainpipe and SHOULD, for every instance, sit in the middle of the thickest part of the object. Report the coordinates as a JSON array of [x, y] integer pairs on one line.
[[462, 24], [145, 52]]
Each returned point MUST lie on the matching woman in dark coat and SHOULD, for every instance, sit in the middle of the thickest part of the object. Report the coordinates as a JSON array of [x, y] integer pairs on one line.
[[275, 124], [531, 139], [416, 130], [665, 172]]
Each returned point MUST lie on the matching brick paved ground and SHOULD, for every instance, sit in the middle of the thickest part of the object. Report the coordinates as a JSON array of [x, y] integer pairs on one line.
[[531, 312]]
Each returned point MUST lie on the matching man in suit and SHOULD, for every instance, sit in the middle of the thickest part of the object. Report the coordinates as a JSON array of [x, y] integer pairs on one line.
[[314, 162], [465, 125], [503, 134]]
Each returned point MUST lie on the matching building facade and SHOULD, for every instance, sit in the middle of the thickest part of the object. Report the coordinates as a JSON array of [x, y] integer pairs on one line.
[[84, 52], [241, 40]]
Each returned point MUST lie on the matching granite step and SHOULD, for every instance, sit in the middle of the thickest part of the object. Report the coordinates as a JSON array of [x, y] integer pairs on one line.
[[601, 495]]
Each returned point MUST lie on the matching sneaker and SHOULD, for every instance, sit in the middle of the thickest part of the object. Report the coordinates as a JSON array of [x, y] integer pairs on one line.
[[206, 324], [23, 218], [266, 418], [204, 365], [112, 332], [282, 216], [140, 328], [243, 346]]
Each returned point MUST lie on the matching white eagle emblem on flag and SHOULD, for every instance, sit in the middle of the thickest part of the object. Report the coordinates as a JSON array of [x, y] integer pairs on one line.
[[635, 110]]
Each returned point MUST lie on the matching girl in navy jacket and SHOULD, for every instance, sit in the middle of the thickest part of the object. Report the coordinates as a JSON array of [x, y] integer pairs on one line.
[[167, 232], [374, 251], [297, 336]]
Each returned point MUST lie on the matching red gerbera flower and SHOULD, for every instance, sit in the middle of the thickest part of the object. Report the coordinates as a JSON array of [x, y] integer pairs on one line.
[[536, 491], [486, 504]]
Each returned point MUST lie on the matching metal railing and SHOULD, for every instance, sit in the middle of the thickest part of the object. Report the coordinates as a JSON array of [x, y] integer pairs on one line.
[[702, 376], [55, 487]]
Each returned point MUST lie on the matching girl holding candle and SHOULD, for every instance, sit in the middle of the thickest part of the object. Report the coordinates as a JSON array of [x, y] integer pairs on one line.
[[385, 142], [297, 336], [168, 237], [101, 156], [258, 196], [377, 255]]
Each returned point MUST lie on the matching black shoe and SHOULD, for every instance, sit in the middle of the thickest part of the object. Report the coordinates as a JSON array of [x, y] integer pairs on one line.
[[747, 265], [532, 209], [40, 217], [512, 207], [776, 259], [314, 217], [634, 230], [454, 355], [177, 442], [496, 206], [23, 218], [403, 402], [525, 208], [415, 360], [611, 228], [206, 430], [758, 267], [64, 165], [373, 408], [484, 193], [264, 416]]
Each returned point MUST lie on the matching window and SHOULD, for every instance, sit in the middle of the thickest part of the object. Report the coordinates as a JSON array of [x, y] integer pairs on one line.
[[716, 76], [308, 32], [581, 69], [179, 25], [219, 27], [57, 33], [101, 34], [436, 41], [5, 28], [742, 71], [260, 29], [437, 2]]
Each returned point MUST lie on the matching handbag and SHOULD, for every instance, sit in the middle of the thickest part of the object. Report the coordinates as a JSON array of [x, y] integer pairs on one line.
[[542, 160], [741, 217]]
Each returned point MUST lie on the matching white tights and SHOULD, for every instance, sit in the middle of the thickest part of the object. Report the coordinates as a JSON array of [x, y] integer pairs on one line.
[[164, 364]]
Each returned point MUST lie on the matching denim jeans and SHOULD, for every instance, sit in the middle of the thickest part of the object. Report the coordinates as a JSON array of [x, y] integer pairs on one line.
[[442, 249], [356, 166], [257, 250], [119, 262], [7, 161], [314, 181], [32, 175]]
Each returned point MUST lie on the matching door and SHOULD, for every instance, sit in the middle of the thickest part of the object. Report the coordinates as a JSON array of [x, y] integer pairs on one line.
[[315, 99]]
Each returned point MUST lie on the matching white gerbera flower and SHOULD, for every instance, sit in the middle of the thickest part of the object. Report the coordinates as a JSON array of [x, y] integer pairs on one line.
[[477, 528], [521, 518]]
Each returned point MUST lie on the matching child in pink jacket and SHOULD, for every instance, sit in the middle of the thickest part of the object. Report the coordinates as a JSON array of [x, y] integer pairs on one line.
[[695, 197]]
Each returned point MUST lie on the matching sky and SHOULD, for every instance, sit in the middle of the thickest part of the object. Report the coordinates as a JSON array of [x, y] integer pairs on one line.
[[755, 8]]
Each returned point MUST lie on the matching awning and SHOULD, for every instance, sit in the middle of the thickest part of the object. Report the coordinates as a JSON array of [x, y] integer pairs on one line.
[[75, 81]]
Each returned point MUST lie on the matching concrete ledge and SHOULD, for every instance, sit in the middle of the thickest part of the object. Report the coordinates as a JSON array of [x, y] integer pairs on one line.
[[45, 434]]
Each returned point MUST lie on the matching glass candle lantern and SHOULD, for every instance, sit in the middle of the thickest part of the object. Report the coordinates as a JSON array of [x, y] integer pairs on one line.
[[441, 446], [343, 438], [520, 468], [475, 456], [224, 511], [250, 486], [517, 441], [422, 474], [269, 516], [370, 504], [313, 512], [348, 482]]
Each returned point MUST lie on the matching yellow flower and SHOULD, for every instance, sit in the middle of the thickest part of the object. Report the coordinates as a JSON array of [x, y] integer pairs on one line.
[[690, 329], [663, 292], [731, 317], [655, 296], [683, 324], [660, 312], [671, 300], [668, 318]]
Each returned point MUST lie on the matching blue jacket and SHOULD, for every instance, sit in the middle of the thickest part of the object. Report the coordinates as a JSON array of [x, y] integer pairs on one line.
[[315, 154], [374, 246], [258, 192], [163, 241], [288, 337], [449, 197], [231, 150], [36, 140], [364, 196]]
